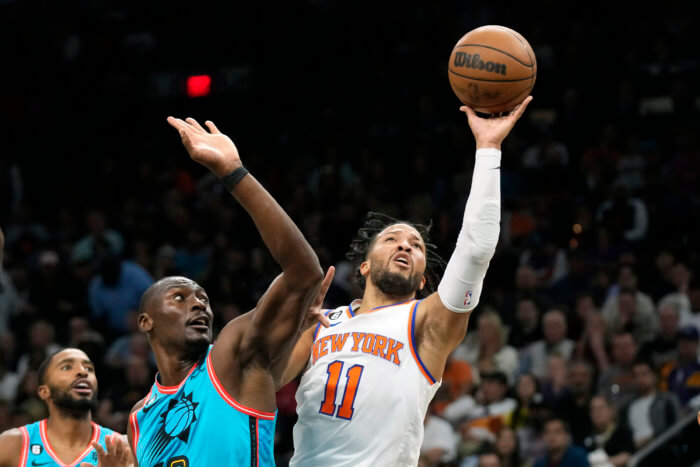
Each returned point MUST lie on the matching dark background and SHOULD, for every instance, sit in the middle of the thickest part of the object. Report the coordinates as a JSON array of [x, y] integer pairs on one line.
[[338, 108]]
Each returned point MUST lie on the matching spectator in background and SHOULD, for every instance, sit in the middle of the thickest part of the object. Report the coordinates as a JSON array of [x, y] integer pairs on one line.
[[555, 386], [439, 441], [560, 452], [526, 328], [98, 241], [693, 318], [458, 379], [41, 345], [526, 285], [9, 380], [608, 442], [574, 405], [529, 412], [651, 412], [508, 448], [592, 344], [663, 350], [9, 300], [684, 378], [534, 360], [491, 412], [630, 309], [489, 459], [115, 290], [486, 349], [624, 216], [617, 382], [135, 381]]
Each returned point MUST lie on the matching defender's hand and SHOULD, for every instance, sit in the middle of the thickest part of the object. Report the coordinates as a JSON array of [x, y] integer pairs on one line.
[[212, 149], [490, 132], [315, 315], [117, 453]]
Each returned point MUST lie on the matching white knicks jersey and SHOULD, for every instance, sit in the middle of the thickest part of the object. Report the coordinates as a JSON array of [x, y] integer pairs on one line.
[[363, 398]]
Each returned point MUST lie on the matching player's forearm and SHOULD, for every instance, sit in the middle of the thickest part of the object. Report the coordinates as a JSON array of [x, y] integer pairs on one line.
[[282, 237], [460, 287]]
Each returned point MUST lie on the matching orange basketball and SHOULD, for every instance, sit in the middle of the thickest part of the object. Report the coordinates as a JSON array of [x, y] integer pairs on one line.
[[492, 69]]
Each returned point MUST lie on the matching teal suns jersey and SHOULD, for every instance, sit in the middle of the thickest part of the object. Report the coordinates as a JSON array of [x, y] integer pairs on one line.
[[197, 423], [36, 449]]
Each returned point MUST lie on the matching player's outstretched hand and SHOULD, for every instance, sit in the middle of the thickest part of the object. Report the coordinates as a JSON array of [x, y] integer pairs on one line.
[[490, 132], [117, 453], [211, 148], [315, 315]]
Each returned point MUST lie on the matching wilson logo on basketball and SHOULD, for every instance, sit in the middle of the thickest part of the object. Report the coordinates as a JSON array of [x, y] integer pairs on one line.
[[475, 62]]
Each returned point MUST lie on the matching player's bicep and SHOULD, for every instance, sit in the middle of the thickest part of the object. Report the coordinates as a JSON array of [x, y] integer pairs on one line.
[[278, 315], [10, 447], [442, 328], [298, 360]]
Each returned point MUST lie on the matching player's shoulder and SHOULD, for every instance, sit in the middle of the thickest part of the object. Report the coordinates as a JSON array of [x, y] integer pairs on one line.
[[10, 446], [137, 406]]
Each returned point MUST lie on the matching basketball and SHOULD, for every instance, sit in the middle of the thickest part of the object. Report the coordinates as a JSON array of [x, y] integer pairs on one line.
[[492, 69]]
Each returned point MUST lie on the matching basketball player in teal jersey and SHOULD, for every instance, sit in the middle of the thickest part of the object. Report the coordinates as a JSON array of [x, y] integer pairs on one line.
[[214, 405], [68, 437]]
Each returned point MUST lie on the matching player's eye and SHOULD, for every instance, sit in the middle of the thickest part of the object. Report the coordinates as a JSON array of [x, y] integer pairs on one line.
[[90, 369], [390, 239], [66, 367], [179, 297], [204, 299], [417, 245]]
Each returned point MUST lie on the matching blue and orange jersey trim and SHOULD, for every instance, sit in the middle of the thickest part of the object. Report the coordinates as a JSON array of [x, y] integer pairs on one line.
[[134, 422], [25, 446], [230, 400], [173, 389], [52, 453], [414, 347]]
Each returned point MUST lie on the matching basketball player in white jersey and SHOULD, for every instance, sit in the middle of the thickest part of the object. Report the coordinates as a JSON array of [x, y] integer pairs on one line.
[[370, 375]]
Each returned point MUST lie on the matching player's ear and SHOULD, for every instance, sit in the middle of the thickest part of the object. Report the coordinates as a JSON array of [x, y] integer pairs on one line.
[[145, 322], [422, 283], [43, 392], [364, 268]]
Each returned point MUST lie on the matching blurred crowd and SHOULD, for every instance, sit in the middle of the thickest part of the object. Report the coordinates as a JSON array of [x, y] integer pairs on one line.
[[585, 345]]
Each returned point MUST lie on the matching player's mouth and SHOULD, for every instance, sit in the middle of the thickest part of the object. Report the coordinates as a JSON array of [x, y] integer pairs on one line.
[[199, 323], [402, 259], [82, 387]]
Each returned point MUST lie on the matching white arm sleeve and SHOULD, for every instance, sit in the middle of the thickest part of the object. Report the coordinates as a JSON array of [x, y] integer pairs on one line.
[[460, 287]]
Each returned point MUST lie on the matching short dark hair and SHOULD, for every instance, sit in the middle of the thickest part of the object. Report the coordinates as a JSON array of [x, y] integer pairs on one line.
[[374, 223], [563, 422], [43, 368]]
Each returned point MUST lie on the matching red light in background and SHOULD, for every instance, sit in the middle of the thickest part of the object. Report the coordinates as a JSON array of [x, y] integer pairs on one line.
[[198, 85]]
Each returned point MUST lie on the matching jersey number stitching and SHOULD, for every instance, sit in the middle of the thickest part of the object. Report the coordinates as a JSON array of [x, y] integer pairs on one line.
[[353, 376]]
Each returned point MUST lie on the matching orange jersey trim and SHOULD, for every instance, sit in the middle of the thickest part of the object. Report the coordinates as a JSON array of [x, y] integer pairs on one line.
[[412, 345], [45, 438], [230, 400], [24, 453], [174, 389], [134, 429]]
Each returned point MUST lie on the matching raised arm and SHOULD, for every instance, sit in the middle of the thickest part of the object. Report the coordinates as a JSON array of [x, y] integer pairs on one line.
[[442, 318], [277, 318]]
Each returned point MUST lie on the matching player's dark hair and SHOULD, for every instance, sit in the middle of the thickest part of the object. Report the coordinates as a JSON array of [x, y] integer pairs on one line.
[[41, 371], [374, 223]]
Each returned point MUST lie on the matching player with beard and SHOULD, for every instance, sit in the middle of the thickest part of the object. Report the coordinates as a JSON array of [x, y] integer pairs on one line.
[[68, 437], [215, 404], [371, 374]]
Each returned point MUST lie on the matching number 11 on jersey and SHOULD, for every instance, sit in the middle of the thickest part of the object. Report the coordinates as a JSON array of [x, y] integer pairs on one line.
[[353, 375]]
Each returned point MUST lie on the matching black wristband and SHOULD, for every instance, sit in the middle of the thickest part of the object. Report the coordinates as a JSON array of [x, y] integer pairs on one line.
[[232, 179]]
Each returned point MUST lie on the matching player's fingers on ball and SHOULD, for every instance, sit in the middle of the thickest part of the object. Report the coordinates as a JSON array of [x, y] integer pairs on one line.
[[520, 109], [211, 126]]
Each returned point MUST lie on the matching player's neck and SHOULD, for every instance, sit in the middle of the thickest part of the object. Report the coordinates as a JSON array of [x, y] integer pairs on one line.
[[374, 298], [67, 430], [173, 368]]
